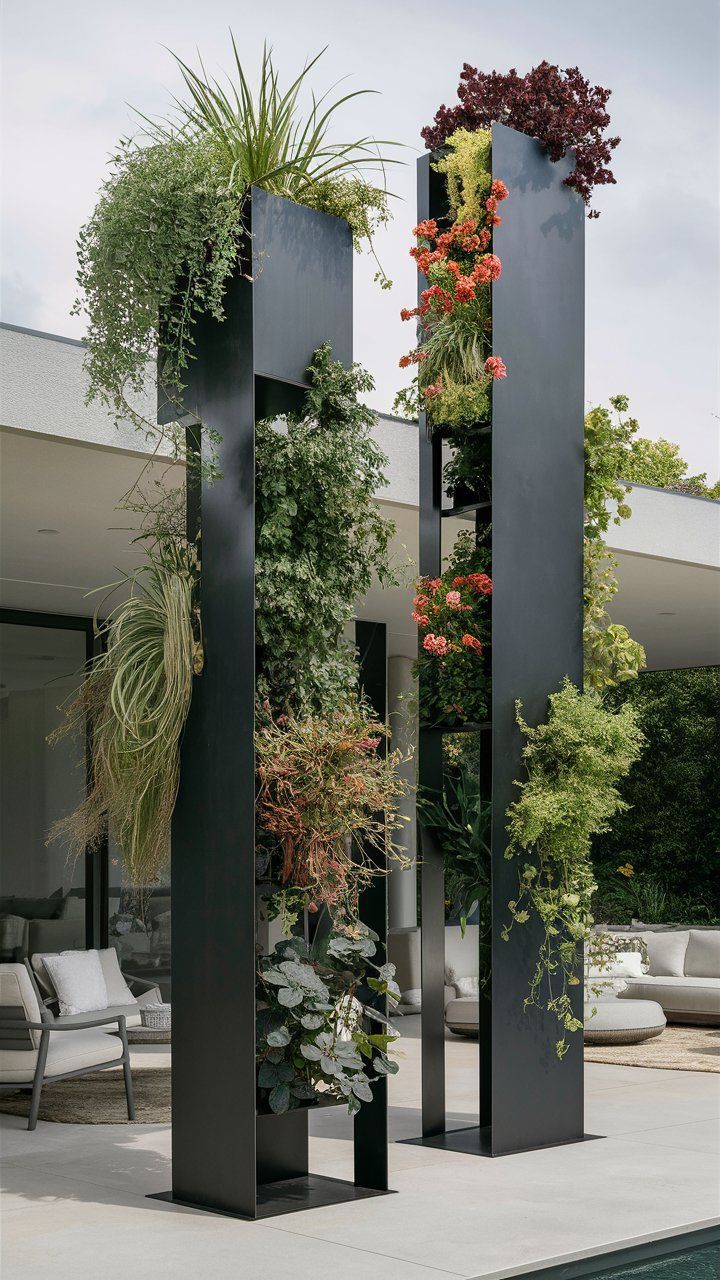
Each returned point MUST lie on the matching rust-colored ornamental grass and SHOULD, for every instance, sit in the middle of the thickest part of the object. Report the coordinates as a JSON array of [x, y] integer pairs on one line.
[[330, 798]]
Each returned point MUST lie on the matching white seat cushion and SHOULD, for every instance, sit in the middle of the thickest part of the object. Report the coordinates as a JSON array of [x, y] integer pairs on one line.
[[67, 1051], [131, 1012], [678, 996], [623, 1021], [463, 1012]]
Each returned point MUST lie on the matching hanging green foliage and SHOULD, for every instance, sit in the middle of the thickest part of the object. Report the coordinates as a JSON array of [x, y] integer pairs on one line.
[[168, 230], [574, 762], [135, 698], [611, 655]]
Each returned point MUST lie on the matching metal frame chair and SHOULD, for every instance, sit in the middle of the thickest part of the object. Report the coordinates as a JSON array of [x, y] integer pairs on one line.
[[16, 1034]]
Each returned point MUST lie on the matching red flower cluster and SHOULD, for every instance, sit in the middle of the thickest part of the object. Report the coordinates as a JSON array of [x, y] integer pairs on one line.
[[496, 367], [559, 108], [479, 582], [440, 604]]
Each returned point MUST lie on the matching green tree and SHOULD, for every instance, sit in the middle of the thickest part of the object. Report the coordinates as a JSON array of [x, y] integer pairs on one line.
[[671, 830]]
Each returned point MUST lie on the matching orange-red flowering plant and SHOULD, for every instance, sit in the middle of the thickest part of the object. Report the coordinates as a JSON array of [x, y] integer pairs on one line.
[[456, 366], [453, 619]]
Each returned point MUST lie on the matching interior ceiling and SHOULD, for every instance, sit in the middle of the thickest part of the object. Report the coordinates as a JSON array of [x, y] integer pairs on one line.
[[672, 608]]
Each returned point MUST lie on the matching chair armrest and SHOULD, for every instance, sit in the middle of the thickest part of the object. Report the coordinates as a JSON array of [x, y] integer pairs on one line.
[[10, 1024], [142, 984]]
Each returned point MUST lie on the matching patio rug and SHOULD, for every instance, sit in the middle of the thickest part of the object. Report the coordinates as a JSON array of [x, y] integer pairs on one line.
[[99, 1098], [677, 1049]]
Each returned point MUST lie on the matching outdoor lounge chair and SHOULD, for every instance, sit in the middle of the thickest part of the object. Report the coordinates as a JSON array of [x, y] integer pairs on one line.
[[34, 1050]]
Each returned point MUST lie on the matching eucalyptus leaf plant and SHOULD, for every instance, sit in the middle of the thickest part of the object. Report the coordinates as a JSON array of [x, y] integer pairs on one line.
[[317, 1039]]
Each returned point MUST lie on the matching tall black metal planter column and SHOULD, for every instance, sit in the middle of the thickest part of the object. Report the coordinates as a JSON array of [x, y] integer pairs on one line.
[[225, 1156], [528, 1097]]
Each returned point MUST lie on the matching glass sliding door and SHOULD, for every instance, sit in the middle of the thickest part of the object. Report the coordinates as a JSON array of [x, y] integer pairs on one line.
[[42, 891]]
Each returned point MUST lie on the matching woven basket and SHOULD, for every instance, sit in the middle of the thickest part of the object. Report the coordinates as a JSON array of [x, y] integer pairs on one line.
[[156, 1017]]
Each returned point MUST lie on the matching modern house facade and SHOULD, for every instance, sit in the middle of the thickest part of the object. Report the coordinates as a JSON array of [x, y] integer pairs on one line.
[[65, 468]]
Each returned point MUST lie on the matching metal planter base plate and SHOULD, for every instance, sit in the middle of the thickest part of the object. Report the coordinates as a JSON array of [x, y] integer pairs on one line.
[[289, 1196], [474, 1141]]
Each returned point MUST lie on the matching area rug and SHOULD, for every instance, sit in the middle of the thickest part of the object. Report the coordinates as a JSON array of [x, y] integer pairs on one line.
[[99, 1098], [677, 1049]]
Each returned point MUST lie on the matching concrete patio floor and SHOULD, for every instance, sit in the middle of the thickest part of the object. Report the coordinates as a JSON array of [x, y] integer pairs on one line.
[[74, 1205]]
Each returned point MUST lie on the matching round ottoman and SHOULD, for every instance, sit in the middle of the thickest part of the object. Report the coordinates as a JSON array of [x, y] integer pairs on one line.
[[623, 1021]]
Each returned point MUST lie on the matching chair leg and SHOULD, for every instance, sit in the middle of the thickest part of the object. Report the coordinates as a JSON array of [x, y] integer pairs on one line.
[[35, 1102], [38, 1079], [122, 1031], [129, 1089]]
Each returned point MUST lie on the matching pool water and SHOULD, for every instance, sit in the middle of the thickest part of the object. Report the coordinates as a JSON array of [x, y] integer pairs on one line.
[[698, 1264]]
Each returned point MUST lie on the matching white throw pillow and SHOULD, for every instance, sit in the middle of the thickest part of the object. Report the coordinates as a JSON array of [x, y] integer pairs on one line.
[[702, 958], [627, 964], [413, 997], [467, 986], [77, 977], [118, 991], [666, 953]]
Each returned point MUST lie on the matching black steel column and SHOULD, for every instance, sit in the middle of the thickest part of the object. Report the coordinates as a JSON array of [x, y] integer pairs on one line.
[[253, 363], [537, 539], [213, 841], [528, 1098], [430, 764]]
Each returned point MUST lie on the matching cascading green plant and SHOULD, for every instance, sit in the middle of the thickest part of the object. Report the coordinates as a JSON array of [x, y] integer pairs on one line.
[[135, 697], [168, 231], [574, 761]]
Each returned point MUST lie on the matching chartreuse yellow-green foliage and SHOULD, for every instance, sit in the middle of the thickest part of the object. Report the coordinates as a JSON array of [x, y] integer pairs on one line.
[[468, 172], [611, 655], [574, 762]]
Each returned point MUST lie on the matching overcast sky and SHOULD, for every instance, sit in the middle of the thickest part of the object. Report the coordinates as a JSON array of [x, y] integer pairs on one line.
[[71, 68]]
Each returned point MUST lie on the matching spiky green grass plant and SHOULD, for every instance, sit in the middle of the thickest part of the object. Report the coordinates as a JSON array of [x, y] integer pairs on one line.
[[135, 697]]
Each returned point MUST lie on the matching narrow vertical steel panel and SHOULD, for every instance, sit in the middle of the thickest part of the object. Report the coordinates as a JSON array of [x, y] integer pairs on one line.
[[370, 1126], [430, 769], [213, 865], [537, 461], [302, 286]]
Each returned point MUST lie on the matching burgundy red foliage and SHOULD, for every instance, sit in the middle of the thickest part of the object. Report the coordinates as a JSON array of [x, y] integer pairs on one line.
[[559, 108]]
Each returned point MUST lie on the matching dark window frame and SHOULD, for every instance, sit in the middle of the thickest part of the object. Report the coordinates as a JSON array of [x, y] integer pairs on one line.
[[96, 860]]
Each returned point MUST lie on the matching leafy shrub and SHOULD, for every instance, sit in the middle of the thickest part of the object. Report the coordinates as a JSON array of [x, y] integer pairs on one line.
[[466, 163], [149, 234], [320, 537], [312, 1038], [560, 108], [460, 820], [611, 655]]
